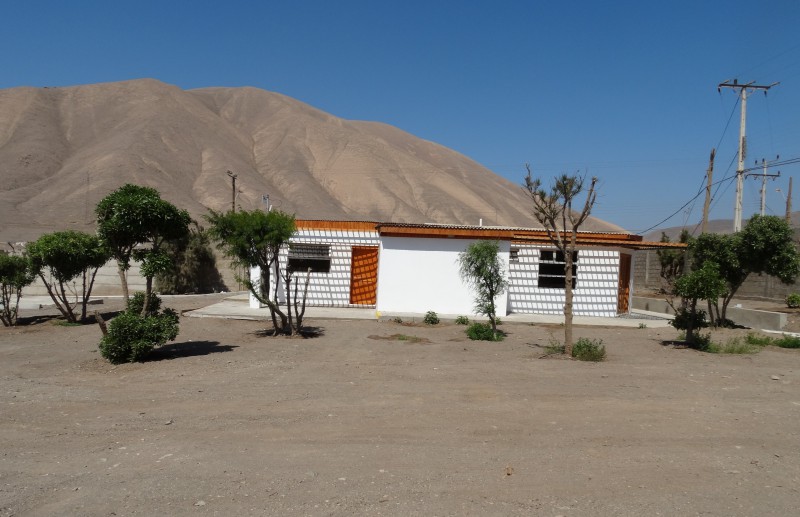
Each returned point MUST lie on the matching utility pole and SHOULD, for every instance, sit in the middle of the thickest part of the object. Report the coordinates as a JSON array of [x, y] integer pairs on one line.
[[707, 205], [743, 88], [764, 176], [789, 204], [233, 190]]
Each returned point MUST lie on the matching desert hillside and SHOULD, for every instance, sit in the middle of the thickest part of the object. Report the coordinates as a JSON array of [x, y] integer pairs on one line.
[[63, 149]]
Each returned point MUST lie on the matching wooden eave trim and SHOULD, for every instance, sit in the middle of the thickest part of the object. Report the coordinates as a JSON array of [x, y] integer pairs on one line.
[[448, 233], [321, 224], [633, 245]]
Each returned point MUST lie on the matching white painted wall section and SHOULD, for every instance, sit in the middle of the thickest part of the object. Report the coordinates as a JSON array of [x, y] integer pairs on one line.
[[421, 274], [595, 294]]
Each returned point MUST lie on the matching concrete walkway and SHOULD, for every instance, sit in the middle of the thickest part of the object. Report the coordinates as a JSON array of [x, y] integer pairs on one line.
[[237, 307]]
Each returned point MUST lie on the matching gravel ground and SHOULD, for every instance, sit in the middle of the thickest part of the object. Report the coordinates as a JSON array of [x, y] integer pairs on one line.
[[380, 418]]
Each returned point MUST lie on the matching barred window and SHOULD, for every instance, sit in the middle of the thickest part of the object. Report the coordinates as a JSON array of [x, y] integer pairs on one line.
[[552, 274], [303, 256]]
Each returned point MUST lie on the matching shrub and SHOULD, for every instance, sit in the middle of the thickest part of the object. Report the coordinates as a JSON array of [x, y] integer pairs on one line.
[[131, 337], [554, 348], [431, 318], [683, 317], [703, 343], [586, 349], [793, 301], [136, 302], [755, 339], [462, 320], [787, 342], [483, 332]]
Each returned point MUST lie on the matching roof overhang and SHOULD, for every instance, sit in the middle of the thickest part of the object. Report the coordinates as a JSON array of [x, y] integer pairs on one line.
[[514, 235]]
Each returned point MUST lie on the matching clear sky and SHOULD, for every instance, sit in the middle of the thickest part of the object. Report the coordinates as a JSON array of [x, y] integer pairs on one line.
[[626, 90]]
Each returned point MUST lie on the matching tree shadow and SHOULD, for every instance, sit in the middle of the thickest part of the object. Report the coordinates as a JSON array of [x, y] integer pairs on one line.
[[307, 332], [188, 349]]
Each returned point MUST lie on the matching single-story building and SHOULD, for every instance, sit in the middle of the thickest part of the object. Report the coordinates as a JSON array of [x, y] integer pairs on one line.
[[399, 268]]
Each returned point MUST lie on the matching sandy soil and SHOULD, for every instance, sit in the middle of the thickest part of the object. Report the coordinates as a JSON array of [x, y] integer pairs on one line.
[[228, 422]]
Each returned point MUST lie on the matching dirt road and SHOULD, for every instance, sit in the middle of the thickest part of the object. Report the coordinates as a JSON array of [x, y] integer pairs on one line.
[[357, 422]]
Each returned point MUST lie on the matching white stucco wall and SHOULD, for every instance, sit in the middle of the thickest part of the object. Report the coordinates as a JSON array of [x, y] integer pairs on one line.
[[595, 294], [421, 274], [326, 289]]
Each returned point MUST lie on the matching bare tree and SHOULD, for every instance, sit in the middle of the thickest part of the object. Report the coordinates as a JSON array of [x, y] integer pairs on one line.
[[553, 210]]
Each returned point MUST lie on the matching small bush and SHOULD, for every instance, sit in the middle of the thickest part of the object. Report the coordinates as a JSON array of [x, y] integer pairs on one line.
[[483, 332], [397, 319], [431, 318], [462, 320], [642, 325], [755, 339], [136, 302], [497, 320], [131, 337], [586, 349], [793, 301], [703, 343], [787, 342], [683, 317]]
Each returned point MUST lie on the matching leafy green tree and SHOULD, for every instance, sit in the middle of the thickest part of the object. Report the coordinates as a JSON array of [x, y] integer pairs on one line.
[[134, 222], [764, 246], [254, 239], [15, 274], [193, 266], [701, 284], [553, 209], [481, 268], [133, 216], [59, 259]]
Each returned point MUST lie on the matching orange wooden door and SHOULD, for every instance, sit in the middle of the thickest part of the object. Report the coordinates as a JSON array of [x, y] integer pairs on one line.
[[364, 275], [624, 296]]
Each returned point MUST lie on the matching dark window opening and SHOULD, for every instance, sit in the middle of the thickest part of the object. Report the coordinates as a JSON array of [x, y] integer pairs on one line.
[[552, 272], [513, 255], [303, 257]]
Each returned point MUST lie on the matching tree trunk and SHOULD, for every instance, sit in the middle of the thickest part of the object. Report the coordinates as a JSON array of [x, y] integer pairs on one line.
[[690, 325], [123, 278], [148, 290], [568, 299]]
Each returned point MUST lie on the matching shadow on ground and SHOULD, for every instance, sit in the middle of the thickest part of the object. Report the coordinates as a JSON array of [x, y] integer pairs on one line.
[[188, 349]]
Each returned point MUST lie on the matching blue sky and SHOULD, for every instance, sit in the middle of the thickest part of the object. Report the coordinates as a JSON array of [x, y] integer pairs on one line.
[[626, 90]]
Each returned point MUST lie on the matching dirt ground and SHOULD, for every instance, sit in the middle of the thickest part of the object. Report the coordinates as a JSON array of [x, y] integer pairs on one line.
[[228, 422]]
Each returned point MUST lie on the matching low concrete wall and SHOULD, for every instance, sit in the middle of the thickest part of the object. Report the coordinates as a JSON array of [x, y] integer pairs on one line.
[[752, 318]]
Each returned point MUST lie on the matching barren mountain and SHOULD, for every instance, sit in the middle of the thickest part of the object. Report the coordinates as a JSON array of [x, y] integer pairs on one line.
[[63, 149]]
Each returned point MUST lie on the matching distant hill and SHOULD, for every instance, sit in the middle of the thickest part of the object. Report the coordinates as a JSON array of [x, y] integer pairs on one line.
[[63, 149], [714, 226]]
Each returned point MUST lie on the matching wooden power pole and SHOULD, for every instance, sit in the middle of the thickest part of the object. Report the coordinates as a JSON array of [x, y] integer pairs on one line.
[[707, 205]]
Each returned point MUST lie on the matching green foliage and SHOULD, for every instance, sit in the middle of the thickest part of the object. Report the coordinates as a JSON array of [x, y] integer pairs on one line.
[[733, 346], [15, 274], [254, 239], [787, 342], [398, 320], [793, 301], [194, 268], [672, 260], [702, 342], [431, 318], [136, 304], [642, 325], [480, 267], [462, 320], [684, 318], [61, 257], [131, 336], [133, 215], [483, 332], [586, 349]]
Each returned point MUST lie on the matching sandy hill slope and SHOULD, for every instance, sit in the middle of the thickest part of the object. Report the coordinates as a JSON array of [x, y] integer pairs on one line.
[[63, 149]]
